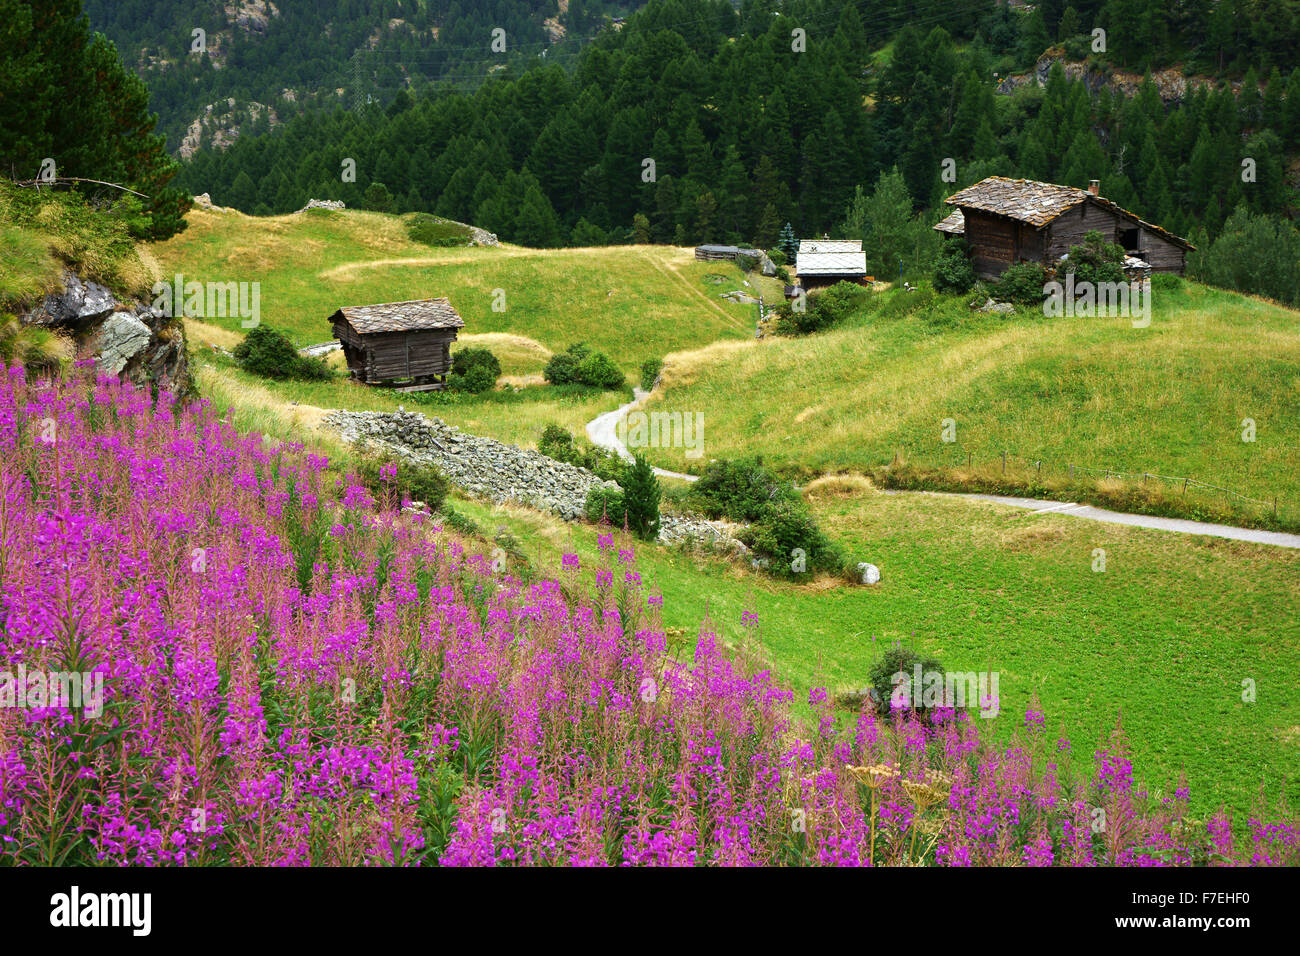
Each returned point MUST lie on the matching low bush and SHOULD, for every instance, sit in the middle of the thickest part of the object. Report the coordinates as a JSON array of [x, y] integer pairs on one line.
[[557, 443], [822, 310], [738, 489], [606, 504], [650, 370], [433, 231], [883, 677], [473, 370], [953, 271], [787, 535], [270, 354], [579, 365], [781, 530], [399, 479], [1022, 284], [1095, 260]]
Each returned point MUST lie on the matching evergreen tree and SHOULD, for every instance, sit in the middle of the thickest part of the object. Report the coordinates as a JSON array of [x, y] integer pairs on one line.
[[641, 496]]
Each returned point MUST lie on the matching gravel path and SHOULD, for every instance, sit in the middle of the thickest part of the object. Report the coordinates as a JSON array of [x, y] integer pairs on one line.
[[1181, 525], [603, 432]]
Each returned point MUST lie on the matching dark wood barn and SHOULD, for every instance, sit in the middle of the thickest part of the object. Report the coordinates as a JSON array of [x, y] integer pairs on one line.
[[402, 344], [1007, 221]]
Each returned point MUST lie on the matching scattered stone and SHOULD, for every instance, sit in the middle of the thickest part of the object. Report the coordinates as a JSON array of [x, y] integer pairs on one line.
[[499, 472], [1000, 307], [323, 204], [870, 573]]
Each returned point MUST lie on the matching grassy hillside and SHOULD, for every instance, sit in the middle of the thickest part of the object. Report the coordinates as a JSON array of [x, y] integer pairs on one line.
[[1096, 393], [637, 302], [983, 587]]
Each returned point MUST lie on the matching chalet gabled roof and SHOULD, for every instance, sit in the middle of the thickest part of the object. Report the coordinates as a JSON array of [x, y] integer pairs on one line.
[[412, 316], [1023, 199], [814, 246], [1027, 200], [831, 264]]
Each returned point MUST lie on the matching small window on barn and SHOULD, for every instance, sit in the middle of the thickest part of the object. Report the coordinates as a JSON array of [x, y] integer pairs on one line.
[[1129, 239]]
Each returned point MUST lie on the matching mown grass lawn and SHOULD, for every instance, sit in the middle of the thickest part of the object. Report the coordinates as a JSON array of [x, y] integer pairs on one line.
[[632, 302], [1161, 640]]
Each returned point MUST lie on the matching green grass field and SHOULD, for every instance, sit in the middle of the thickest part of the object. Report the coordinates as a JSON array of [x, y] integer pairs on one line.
[[637, 302], [1097, 393]]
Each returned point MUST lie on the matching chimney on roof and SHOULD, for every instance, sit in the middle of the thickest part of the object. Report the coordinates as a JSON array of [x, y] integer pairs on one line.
[[1094, 186]]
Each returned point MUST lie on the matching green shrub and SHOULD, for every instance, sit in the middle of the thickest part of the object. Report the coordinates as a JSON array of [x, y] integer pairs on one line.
[[650, 370], [778, 257], [459, 521], [557, 443], [606, 504], [953, 271], [788, 536], [738, 490], [822, 309], [433, 231], [579, 365], [270, 354], [641, 497], [473, 370], [1022, 283], [1095, 260], [896, 660], [404, 478], [599, 370]]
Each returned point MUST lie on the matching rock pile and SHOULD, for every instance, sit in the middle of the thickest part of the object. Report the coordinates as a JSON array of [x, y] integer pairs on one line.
[[323, 204], [498, 472]]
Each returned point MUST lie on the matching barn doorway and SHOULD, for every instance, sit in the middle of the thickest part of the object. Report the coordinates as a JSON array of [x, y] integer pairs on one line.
[[1129, 239]]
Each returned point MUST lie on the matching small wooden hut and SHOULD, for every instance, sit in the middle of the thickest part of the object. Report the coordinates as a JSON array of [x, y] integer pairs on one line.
[[1007, 221], [406, 345]]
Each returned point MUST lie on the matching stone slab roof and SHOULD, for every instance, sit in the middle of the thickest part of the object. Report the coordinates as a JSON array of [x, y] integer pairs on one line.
[[954, 225], [1036, 203], [412, 316]]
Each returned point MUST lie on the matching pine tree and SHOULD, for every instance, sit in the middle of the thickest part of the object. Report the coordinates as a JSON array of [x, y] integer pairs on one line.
[[787, 242], [641, 494]]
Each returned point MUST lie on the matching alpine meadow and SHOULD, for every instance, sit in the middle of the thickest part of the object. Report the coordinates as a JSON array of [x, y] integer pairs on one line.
[[701, 433]]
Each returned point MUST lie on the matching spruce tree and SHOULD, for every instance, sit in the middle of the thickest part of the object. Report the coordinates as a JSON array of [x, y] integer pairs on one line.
[[641, 495]]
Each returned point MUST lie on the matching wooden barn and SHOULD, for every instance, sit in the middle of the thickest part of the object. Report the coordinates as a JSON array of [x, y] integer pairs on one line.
[[824, 262], [401, 344], [1008, 221]]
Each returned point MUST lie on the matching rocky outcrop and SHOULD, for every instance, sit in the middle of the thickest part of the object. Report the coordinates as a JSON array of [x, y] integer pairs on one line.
[[1172, 84], [218, 121], [490, 469], [323, 204], [130, 339]]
